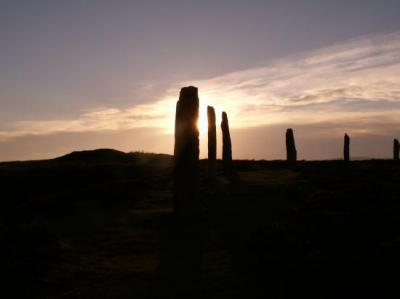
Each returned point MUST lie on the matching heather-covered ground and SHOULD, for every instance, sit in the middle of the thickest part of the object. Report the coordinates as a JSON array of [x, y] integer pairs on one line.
[[98, 224]]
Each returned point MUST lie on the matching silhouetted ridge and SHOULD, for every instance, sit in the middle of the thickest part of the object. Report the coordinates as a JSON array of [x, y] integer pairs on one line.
[[97, 156], [111, 156]]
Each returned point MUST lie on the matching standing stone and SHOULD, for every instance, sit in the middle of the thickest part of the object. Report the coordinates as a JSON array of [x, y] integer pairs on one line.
[[186, 153], [181, 243], [226, 144], [291, 153], [346, 148], [396, 149], [212, 143]]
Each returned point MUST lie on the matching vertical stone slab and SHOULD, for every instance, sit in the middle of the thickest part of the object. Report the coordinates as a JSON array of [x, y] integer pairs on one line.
[[396, 149], [346, 148], [186, 153], [212, 143], [226, 144], [181, 240], [291, 153]]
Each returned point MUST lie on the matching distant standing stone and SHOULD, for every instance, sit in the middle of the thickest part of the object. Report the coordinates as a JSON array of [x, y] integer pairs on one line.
[[186, 153], [346, 148], [212, 143], [396, 149], [226, 144], [291, 152]]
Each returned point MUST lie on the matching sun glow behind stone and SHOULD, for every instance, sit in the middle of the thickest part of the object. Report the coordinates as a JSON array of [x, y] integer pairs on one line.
[[202, 123], [206, 100]]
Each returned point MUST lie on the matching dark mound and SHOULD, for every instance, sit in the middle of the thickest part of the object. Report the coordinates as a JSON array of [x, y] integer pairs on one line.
[[111, 156], [97, 156]]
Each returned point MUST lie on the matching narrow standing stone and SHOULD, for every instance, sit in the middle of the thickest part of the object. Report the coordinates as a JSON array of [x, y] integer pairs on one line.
[[346, 149], [396, 149], [226, 144], [212, 143], [291, 153], [186, 153]]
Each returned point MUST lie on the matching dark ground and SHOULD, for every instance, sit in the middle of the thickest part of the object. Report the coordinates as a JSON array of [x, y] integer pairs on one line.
[[99, 225]]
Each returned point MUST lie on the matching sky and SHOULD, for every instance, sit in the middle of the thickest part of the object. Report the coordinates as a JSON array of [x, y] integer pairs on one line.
[[89, 74]]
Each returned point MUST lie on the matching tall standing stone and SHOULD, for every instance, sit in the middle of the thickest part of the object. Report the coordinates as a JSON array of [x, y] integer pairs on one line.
[[291, 153], [212, 143], [396, 149], [186, 153], [346, 148], [181, 243], [226, 144]]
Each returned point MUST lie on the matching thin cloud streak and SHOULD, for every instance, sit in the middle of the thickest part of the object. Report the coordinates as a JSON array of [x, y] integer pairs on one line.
[[314, 87], [366, 69], [152, 115]]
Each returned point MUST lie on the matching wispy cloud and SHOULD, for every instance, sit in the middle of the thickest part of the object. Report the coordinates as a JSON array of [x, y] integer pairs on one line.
[[334, 84], [366, 70], [152, 115]]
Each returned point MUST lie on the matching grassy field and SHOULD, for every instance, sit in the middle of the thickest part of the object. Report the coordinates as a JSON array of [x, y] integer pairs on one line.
[[99, 224]]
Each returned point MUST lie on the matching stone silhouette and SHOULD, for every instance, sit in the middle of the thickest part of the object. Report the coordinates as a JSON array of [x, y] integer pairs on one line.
[[181, 245], [396, 149], [186, 153], [291, 153], [226, 144], [346, 148], [212, 143]]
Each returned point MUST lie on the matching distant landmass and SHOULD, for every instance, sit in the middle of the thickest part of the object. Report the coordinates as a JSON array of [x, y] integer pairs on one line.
[[106, 155]]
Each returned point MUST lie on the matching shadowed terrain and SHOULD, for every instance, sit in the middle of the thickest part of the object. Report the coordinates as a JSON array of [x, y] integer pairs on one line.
[[96, 224]]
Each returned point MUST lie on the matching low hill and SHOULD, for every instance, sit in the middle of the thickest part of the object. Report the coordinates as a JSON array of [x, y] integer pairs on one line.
[[98, 156], [105, 155]]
